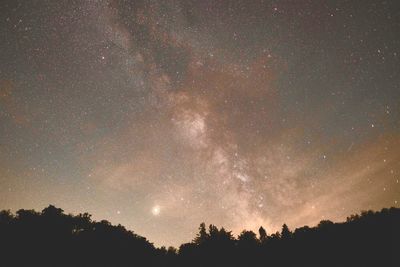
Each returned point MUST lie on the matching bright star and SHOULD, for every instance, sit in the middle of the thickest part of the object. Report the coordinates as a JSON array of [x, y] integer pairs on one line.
[[156, 210]]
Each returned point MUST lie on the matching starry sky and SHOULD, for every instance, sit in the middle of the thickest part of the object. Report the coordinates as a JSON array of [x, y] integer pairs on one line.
[[160, 115]]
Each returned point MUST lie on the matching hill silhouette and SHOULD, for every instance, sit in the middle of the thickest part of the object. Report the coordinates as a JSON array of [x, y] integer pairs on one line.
[[52, 238]]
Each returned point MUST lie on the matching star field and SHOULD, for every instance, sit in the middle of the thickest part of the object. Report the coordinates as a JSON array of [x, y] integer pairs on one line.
[[160, 115]]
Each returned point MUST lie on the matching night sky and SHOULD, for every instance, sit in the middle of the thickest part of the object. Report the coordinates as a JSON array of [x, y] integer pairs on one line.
[[160, 115]]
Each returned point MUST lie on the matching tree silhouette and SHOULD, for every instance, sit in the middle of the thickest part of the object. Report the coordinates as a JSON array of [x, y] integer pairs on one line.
[[263, 234], [249, 238], [202, 236], [285, 233], [52, 238]]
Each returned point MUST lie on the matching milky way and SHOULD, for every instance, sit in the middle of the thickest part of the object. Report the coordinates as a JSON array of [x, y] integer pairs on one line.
[[160, 115]]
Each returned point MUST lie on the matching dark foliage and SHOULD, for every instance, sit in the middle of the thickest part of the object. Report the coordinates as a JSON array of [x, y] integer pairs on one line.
[[52, 238]]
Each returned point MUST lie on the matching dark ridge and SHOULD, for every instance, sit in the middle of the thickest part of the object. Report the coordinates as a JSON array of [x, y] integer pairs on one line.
[[52, 238]]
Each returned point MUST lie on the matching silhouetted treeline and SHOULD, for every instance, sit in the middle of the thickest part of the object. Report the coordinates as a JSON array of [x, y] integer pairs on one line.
[[52, 238]]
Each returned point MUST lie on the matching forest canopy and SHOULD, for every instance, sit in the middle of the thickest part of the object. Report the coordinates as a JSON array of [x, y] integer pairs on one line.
[[53, 238]]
